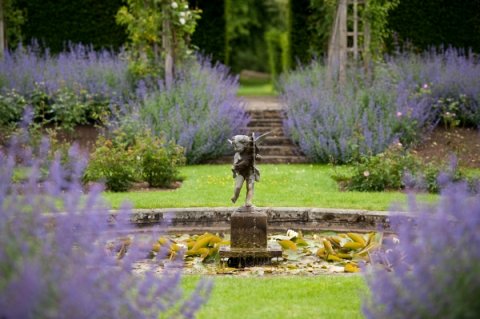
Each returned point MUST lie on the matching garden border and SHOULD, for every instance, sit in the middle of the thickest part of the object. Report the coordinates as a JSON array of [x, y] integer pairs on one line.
[[217, 219]]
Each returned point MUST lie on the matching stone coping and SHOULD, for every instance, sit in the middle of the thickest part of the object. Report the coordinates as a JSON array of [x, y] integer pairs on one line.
[[201, 219]]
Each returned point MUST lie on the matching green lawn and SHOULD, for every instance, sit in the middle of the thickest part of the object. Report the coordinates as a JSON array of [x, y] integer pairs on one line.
[[302, 185], [290, 297], [256, 87]]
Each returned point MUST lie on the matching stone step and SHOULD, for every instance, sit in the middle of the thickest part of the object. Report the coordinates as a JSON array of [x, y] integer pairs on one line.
[[283, 159], [276, 140], [285, 150], [259, 130], [270, 114], [266, 122]]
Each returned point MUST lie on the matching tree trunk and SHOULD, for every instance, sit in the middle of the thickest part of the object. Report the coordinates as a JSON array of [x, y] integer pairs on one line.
[[337, 49], [167, 48], [2, 29]]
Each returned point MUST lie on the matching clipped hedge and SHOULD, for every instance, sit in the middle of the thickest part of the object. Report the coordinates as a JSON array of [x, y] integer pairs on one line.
[[437, 22], [209, 36], [56, 22], [298, 31]]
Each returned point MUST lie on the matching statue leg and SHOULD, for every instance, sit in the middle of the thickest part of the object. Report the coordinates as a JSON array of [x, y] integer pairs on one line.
[[250, 186], [238, 187]]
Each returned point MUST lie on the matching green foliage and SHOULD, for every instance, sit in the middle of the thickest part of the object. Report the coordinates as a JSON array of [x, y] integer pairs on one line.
[[436, 23], [64, 108], [12, 106], [247, 23], [376, 14], [210, 34], [57, 22], [113, 163], [278, 55], [14, 18], [298, 31], [122, 160], [384, 171], [395, 169], [150, 25], [70, 109], [159, 160], [312, 20], [320, 21]]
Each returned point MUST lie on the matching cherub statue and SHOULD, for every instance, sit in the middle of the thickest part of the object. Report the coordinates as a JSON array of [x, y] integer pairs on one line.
[[244, 168]]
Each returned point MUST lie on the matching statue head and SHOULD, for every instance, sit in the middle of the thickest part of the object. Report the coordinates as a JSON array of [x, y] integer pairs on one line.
[[240, 142]]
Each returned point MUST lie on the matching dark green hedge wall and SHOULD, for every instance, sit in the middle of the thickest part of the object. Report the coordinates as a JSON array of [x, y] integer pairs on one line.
[[299, 34], [429, 23], [209, 34], [55, 22]]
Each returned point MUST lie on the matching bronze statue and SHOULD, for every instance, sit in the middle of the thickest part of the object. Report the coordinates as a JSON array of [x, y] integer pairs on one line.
[[244, 168]]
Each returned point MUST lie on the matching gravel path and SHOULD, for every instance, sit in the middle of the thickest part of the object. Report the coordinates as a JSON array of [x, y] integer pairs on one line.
[[262, 103]]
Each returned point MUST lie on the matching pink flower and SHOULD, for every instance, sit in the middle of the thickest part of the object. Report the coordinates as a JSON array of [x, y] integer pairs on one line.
[[399, 114], [425, 86]]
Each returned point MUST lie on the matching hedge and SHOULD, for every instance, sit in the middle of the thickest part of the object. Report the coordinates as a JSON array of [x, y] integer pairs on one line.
[[55, 22]]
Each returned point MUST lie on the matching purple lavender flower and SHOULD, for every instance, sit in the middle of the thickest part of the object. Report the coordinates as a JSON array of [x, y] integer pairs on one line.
[[199, 112], [433, 269], [78, 69], [363, 117], [55, 255], [339, 124]]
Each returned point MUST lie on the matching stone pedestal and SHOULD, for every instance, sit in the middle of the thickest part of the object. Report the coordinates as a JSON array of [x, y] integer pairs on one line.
[[248, 229], [248, 239]]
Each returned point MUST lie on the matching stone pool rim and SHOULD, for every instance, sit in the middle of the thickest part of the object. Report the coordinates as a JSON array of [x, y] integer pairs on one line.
[[217, 219]]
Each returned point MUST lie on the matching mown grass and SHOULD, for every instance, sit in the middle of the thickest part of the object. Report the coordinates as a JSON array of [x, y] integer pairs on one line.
[[286, 297], [301, 185], [256, 87]]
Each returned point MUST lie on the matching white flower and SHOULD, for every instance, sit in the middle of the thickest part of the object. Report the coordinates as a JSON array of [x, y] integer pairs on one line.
[[182, 14], [425, 86], [174, 5], [186, 6], [291, 233], [182, 21], [366, 173]]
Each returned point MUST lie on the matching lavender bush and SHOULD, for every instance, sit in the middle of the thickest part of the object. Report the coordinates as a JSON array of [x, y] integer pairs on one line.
[[78, 68], [199, 112], [408, 97], [433, 269], [56, 257], [449, 78], [333, 124], [78, 86]]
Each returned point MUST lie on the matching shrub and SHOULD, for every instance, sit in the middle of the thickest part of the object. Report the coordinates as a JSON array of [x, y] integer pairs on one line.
[[433, 269], [384, 171], [199, 112], [12, 106], [397, 169], [159, 160], [56, 253], [336, 124], [123, 159], [407, 98], [450, 79], [79, 86], [113, 163]]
